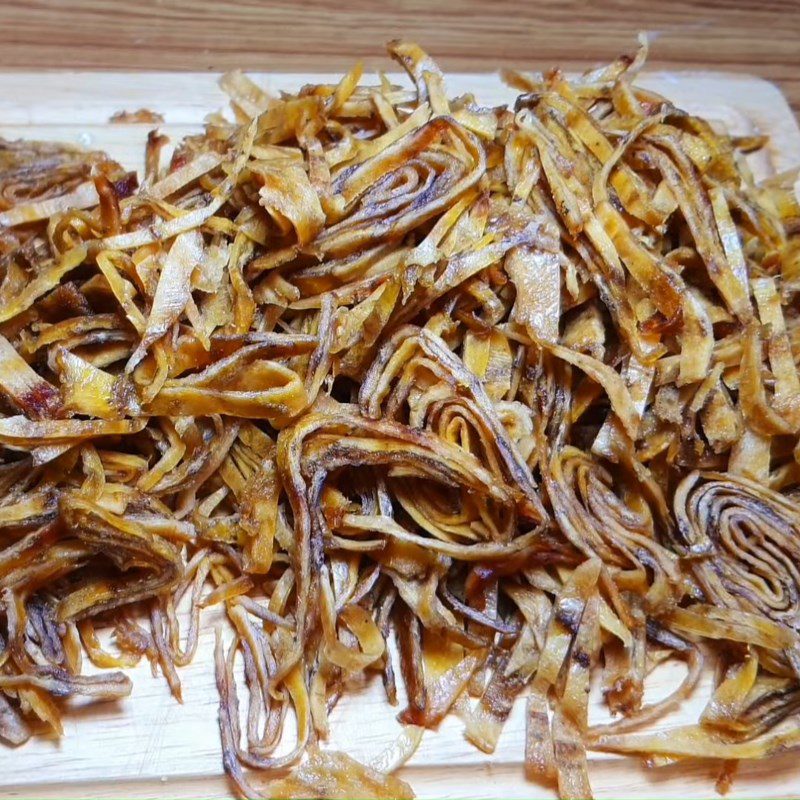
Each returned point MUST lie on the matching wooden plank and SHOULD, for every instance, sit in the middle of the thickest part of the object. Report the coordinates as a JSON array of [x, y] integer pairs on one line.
[[148, 744]]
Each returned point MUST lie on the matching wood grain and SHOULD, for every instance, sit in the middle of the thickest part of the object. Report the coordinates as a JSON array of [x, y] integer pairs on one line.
[[149, 746], [752, 36]]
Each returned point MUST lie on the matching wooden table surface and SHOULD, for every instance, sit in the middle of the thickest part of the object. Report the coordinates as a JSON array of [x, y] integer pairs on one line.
[[761, 37]]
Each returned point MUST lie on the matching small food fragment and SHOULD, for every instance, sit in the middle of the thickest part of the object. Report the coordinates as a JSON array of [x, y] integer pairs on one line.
[[142, 116], [336, 776], [487, 402]]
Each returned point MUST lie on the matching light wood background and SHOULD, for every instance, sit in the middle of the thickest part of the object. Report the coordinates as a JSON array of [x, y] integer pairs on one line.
[[761, 37]]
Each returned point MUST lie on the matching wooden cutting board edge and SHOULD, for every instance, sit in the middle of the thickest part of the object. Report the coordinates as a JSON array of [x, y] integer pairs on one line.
[[45, 106]]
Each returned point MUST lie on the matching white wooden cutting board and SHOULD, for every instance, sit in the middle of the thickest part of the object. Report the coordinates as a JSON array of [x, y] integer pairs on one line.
[[149, 745]]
